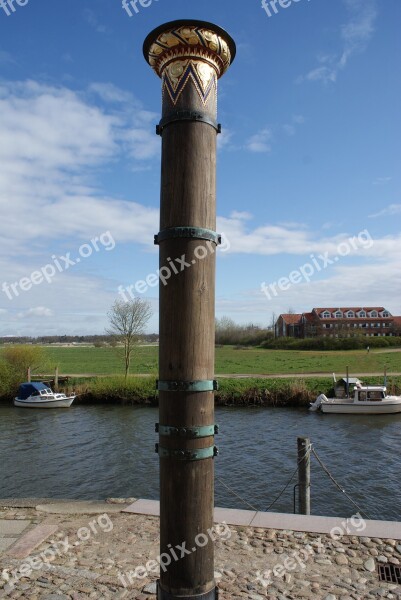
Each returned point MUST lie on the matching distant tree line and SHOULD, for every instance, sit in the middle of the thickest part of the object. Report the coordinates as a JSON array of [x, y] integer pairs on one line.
[[326, 343], [230, 333], [100, 340]]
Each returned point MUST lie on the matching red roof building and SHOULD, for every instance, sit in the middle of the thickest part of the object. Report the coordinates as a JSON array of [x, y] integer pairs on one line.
[[349, 321]]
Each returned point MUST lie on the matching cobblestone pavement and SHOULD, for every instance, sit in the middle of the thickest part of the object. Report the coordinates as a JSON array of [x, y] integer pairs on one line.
[[251, 563]]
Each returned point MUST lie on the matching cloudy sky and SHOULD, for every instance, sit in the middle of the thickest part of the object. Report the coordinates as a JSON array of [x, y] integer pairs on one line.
[[308, 165]]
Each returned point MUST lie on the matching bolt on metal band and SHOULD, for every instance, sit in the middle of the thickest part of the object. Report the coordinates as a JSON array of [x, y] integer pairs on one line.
[[186, 115], [162, 595], [203, 385], [187, 432], [181, 454], [198, 233]]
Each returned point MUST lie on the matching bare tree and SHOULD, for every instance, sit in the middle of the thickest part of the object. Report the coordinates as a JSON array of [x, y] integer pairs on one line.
[[127, 322]]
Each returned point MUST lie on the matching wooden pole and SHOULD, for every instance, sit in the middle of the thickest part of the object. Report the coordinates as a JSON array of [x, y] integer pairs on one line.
[[347, 382], [304, 475], [189, 57], [56, 380], [29, 375]]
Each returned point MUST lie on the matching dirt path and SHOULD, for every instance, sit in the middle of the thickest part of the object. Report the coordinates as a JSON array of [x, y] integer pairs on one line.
[[253, 375]]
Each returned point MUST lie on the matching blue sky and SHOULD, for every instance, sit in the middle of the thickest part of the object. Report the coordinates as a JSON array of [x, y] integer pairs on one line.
[[309, 158]]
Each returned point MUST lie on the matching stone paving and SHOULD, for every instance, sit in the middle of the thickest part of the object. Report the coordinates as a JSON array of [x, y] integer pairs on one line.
[[97, 555]]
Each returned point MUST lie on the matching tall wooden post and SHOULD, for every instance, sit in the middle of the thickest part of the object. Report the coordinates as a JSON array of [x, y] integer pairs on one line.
[[189, 56], [304, 475]]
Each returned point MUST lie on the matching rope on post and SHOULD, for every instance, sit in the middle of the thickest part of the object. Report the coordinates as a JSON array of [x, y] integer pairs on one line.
[[325, 469]]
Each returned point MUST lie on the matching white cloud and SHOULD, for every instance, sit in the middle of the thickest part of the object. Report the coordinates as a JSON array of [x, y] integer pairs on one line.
[[355, 36], [53, 142], [297, 239], [111, 93], [224, 139], [382, 180], [393, 209], [39, 311], [260, 142]]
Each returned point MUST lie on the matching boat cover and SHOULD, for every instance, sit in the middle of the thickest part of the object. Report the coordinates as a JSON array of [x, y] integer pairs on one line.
[[27, 389]]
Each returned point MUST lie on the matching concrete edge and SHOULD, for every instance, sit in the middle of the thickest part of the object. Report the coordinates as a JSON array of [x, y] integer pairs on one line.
[[238, 517], [336, 526]]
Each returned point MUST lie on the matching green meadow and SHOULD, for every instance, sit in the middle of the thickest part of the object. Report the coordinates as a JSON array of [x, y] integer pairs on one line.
[[229, 360]]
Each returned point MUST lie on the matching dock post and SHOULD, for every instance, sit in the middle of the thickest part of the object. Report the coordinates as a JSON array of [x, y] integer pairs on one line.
[[56, 380], [304, 475], [189, 56], [28, 375]]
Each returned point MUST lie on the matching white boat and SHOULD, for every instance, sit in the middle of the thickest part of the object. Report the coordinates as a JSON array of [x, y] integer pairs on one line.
[[39, 395], [367, 400]]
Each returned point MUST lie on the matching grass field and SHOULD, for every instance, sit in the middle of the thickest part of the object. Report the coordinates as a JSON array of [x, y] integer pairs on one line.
[[229, 360]]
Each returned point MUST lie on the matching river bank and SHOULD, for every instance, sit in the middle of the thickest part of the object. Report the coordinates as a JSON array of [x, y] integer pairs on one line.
[[244, 391], [272, 392], [99, 554]]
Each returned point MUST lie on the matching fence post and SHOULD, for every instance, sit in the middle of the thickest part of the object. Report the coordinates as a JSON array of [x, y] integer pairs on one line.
[[304, 475]]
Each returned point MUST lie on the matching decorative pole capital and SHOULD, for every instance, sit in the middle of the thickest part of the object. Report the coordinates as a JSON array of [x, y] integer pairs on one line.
[[185, 50], [189, 39]]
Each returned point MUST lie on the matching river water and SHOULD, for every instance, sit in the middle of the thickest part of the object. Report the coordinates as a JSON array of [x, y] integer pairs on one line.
[[94, 452]]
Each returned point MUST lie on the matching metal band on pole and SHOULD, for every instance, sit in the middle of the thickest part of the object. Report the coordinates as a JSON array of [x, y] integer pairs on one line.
[[187, 432], [212, 595], [199, 233], [181, 454], [186, 115], [204, 385]]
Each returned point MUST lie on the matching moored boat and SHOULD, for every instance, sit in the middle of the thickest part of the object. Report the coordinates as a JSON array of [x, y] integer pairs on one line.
[[367, 400], [38, 395]]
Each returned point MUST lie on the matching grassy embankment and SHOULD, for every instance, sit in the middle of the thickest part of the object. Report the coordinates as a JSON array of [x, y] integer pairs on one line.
[[229, 360], [232, 392]]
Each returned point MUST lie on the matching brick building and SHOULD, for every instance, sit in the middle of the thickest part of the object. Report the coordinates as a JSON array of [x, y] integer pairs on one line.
[[339, 322]]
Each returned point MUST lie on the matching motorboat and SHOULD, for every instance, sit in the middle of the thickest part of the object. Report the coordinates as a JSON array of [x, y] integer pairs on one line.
[[367, 400], [38, 395]]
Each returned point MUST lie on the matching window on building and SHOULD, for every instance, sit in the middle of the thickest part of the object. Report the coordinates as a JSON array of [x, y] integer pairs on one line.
[[350, 314], [338, 314], [362, 314], [373, 313], [325, 315]]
